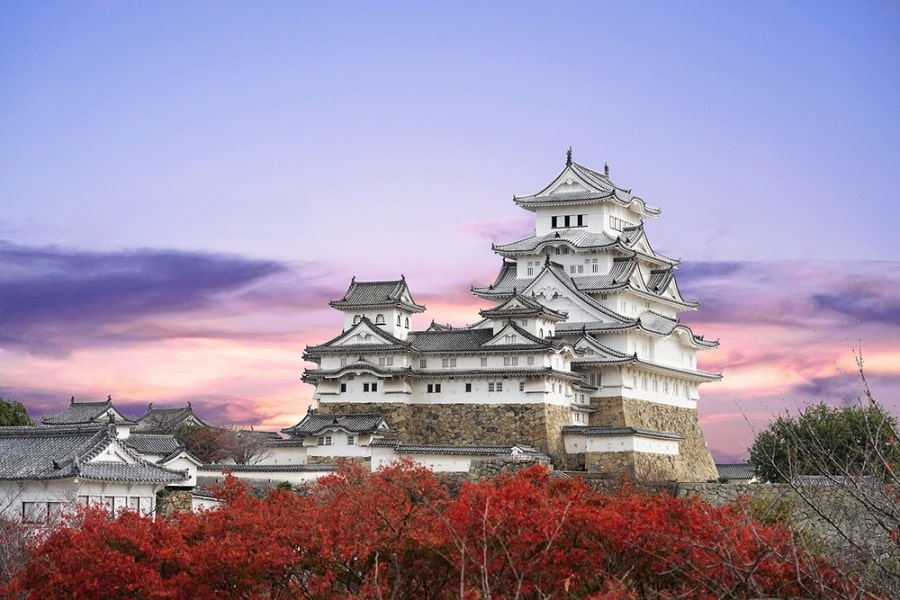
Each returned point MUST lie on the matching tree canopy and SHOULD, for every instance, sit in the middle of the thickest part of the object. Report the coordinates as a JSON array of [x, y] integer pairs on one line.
[[849, 441], [404, 533], [13, 413]]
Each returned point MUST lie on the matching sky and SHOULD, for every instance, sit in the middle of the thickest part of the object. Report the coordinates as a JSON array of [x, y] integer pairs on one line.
[[185, 185]]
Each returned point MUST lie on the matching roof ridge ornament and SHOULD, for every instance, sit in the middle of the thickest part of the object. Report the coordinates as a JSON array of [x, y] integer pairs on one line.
[[569, 157], [606, 170]]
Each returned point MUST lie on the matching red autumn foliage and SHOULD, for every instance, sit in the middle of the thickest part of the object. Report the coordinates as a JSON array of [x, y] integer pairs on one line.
[[400, 533]]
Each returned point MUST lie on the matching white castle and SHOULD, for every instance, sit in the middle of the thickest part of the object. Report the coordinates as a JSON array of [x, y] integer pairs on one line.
[[582, 358]]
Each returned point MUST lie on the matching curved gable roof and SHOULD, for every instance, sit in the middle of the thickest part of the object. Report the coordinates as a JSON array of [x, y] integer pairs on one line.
[[377, 294]]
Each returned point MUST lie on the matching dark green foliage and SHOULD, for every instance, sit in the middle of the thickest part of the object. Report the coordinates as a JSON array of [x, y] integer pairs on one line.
[[851, 441], [13, 413]]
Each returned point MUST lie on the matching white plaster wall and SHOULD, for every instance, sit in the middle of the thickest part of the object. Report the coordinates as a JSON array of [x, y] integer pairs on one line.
[[68, 491], [438, 463], [285, 455], [269, 477], [182, 463], [339, 447], [625, 443]]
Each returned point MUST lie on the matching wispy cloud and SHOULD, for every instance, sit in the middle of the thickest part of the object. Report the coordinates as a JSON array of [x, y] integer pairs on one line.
[[227, 333], [512, 229], [54, 299], [789, 332]]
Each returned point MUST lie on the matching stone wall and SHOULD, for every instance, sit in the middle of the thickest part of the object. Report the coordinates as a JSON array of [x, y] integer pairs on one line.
[[487, 468], [842, 512], [694, 462], [470, 424], [169, 502], [541, 426]]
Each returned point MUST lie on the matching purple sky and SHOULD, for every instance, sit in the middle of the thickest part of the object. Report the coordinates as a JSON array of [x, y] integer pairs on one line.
[[184, 186]]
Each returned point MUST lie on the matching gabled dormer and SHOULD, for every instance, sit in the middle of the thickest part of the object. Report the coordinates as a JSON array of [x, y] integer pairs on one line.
[[387, 304], [510, 334], [527, 313]]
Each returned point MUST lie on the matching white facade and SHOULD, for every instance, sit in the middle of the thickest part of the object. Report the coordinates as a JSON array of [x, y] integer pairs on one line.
[[585, 310]]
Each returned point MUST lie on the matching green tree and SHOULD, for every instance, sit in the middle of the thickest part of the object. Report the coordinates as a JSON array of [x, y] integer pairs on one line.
[[850, 441], [13, 413]]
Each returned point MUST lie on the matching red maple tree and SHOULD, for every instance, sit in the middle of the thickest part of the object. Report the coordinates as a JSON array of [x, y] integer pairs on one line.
[[402, 532]]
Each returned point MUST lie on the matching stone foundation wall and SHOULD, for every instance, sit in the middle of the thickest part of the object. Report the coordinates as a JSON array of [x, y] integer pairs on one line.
[[487, 468], [470, 424], [541, 426], [694, 463], [169, 502], [638, 465]]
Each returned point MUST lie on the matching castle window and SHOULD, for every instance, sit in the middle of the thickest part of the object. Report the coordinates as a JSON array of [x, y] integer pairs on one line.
[[448, 362], [499, 386], [530, 360], [468, 387], [398, 320], [483, 362], [343, 362], [423, 363], [581, 220], [356, 319], [491, 386], [434, 388], [406, 322], [521, 386], [343, 387], [351, 440], [370, 387], [379, 319], [509, 339], [525, 323], [324, 440]]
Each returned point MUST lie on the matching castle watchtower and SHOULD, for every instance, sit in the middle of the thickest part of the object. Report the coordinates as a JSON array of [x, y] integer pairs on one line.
[[387, 304]]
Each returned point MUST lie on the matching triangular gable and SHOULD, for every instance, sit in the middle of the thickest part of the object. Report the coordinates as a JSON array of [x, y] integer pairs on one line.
[[115, 453], [363, 333], [550, 283], [673, 292], [575, 178], [567, 182], [641, 244], [513, 335], [181, 455], [636, 280], [591, 347]]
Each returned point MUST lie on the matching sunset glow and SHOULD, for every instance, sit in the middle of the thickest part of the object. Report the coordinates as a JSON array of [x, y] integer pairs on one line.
[[184, 188]]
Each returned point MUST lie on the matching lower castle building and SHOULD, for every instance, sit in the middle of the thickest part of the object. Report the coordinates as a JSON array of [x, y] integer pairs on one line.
[[581, 360]]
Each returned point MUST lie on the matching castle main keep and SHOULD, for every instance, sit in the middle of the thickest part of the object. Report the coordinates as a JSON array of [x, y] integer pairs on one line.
[[582, 356]]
